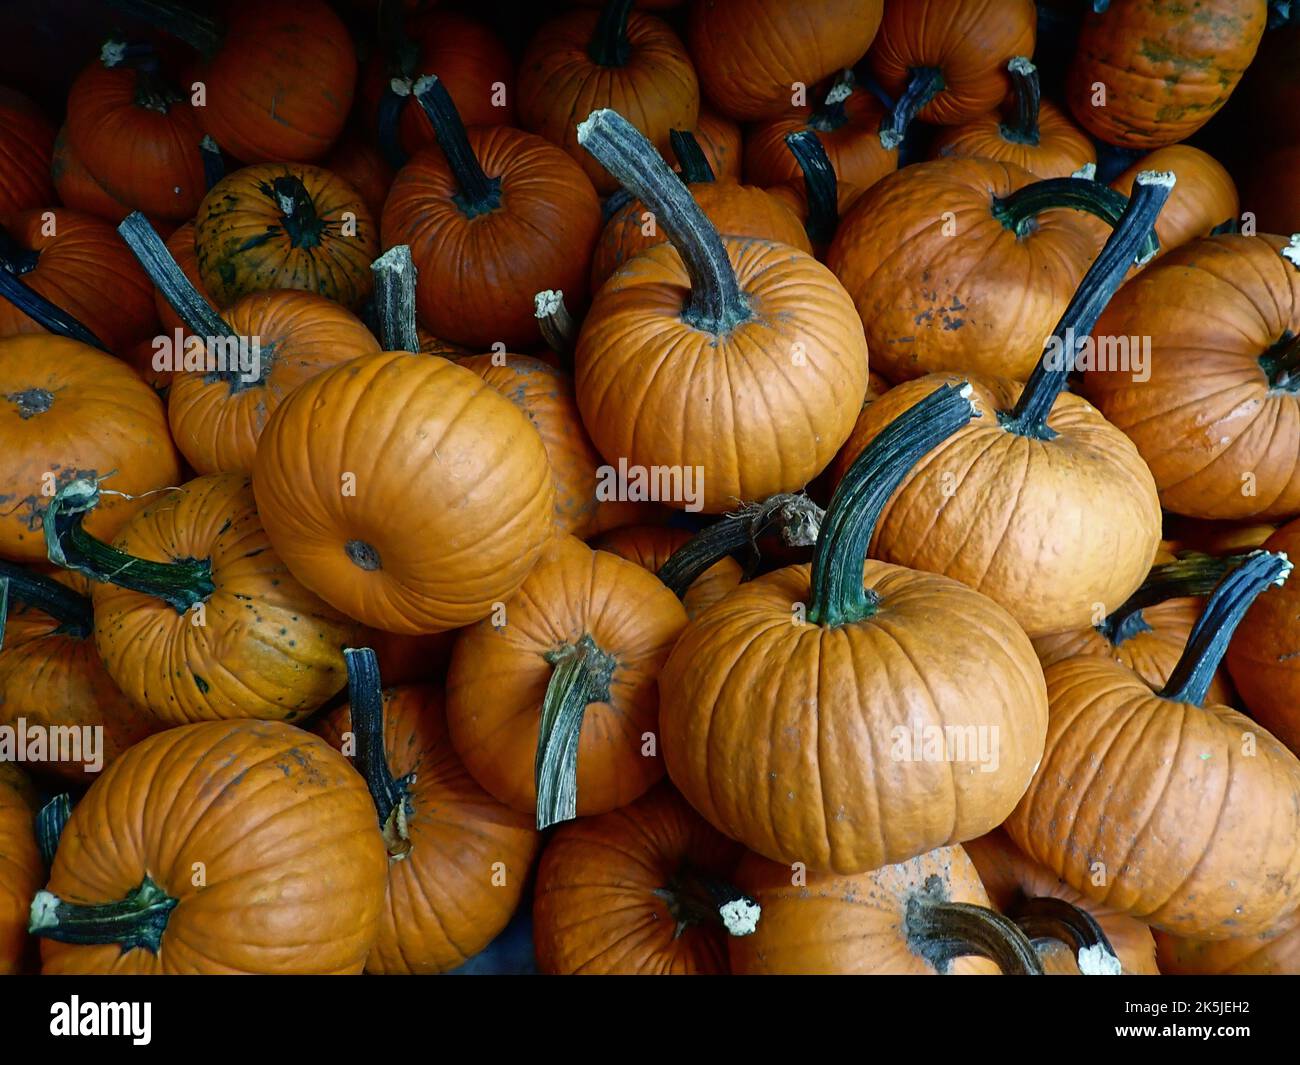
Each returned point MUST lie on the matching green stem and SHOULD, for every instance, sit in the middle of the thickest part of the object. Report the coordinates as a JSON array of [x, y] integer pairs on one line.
[[1019, 211], [180, 584], [1029, 418], [1195, 574], [1208, 641], [821, 186], [716, 303], [15, 260], [198, 31], [941, 931], [479, 194], [50, 822], [583, 673], [832, 112], [923, 85], [695, 166], [838, 595], [366, 713], [1280, 364], [138, 920], [609, 46], [394, 273], [694, 897], [1046, 917], [72, 611]]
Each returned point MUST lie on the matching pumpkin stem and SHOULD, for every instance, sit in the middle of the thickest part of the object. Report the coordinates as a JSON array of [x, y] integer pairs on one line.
[[821, 186], [180, 584], [366, 711], [693, 897], [302, 224], [1029, 418], [1024, 79], [1194, 574], [402, 53], [479, 194], [556, 324], [137, 920], [923, 85], [1046, 917], [391, 103], [694, 163], [1208, 642], [831, 113], [394, 273], [1280, 364], [609, 46], [583, 673], [200, 32], [15, 260], [50, 822], [797, 516], [716, 303], [941, 931], [1019, 211], [71, 610], [214, 166], [838, 595]]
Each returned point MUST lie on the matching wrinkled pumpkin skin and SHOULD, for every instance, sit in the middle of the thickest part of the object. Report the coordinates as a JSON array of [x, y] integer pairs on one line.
[[21, 869], [1061, 150]]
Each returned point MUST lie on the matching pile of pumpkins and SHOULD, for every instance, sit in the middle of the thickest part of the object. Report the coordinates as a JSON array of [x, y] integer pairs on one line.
[[752, 486]]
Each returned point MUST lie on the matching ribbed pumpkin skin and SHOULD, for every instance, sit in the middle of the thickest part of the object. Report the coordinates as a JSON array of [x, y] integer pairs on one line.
[[181, 246], [87, 389], [293, 861], [1195, 835], [21, 870], [1166, 68], [442, 906], [720, 140], [1061, 149], [267, 648], [77, 187], [748, 53], [825, 789], [452, 490], [545, 394], [243, 245], [144, 157], [1208, 414], [75, 261], [560, 85], [976, 299], [1046, 528], [1272, 953], [848, 925], [1262, 657], [478, 276], [1010, 877], [26, 147], [281, 87], [736, 210], [498, 677], [755, 424], [595, 911], [650, 546], [966, 39], [300, 335]]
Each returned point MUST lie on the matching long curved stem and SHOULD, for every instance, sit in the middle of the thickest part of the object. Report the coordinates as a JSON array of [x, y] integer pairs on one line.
[[71, 610], [137, 920], [1029, 418], [1029, 96], [394, 274], [391, 796], [478, 193], [923, 85], [821, 186], [695, 166], [198, 31], [1045, 917], [1195, 574], [152, 254], [838, 595], [941, 931], [716, 303], [1208, 642], [609, 46], [1019, 211]]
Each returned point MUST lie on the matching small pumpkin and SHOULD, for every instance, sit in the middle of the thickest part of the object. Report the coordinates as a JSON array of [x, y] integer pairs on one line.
[[1272, 953], [21, 870], [294, 868], [27, 146], [650, 546]]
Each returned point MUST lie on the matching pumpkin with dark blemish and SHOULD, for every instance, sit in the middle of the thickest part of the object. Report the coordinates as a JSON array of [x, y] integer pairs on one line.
[[26, 144], [21, 869]]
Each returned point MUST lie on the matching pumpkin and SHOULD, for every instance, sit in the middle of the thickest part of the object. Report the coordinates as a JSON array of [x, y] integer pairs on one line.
[[457, 860], [1272, 953], [720, 140], [1270, 190], [945, 61], [751, 55], [239, 366], [410, 659], [618, 58], [137, 135], [1041, 904], [1262, 659], [759, 336], [51, 677], [360, 164], [285, 226], [77, 187], [650, 546], [1215, 413], [281, 828], [493, 218], [65, 256], [404, 491], [821, 197], [192, 602], [1036, 135], [638, 891], [1146, 74], [922, 917], [26, 146], [1148, 631], [869, 657], [552, 703], [55, 389], [21, 870], [736, 210], [180, 247], [1183, 815]]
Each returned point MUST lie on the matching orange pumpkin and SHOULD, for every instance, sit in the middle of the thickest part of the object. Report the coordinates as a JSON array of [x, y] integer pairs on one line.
[[359, 163], [180, 246], [410, 659], [77, 187], [720, 140], [26, 145], [1272, 953], [21, 870], [650, 546]]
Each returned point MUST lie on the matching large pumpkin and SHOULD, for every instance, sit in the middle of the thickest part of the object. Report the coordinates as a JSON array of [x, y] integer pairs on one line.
[[405, 491], [77, 187], [244, 847], [26, 145], [21, 869]]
